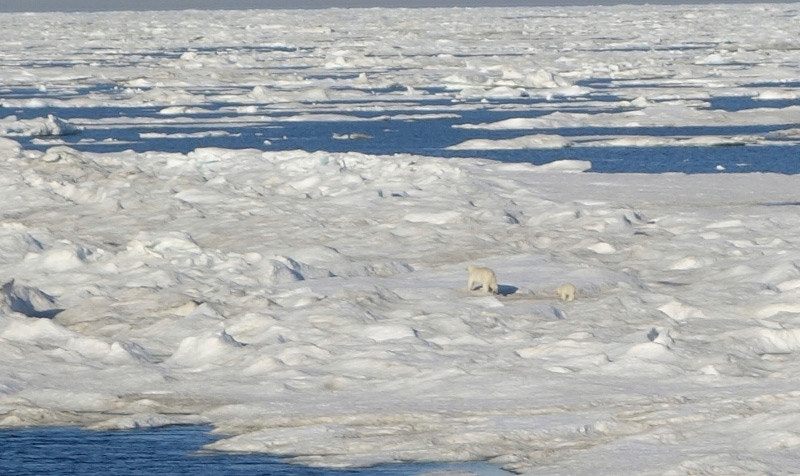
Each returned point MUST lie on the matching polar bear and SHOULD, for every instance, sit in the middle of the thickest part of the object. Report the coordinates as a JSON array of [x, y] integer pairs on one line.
[[566, 292], [485, 277]]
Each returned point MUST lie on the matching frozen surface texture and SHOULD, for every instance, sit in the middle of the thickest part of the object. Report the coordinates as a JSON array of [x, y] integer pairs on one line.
[[312, 303]]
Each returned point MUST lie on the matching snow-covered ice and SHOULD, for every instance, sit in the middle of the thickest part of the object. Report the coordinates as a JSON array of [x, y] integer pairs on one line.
[[312, 303]]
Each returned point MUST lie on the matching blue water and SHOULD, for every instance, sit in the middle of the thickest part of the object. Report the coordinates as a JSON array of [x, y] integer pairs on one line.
[[176, 450], [429, 137], [160, 451]]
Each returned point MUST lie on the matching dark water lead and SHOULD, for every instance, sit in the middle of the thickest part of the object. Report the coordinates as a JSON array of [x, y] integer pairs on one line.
[[165, 451]]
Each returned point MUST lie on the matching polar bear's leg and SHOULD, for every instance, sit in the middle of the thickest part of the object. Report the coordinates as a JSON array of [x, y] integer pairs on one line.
[[490, 286], [472, 278]]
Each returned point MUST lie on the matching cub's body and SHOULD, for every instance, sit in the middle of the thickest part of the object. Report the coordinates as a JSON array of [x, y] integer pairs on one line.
[[566, 292]]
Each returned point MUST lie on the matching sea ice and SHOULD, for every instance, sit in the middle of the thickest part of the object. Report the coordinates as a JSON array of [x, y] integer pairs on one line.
[[310, 303]]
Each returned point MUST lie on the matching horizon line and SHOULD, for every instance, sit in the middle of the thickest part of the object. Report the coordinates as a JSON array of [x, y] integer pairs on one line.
[[79, 6]]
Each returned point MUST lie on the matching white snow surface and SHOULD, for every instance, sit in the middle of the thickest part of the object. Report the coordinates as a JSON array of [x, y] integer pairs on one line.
[[312, 304]]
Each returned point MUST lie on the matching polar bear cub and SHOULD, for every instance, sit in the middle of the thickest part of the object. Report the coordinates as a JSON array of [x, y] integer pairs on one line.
[[485, 277], [566, 292]]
